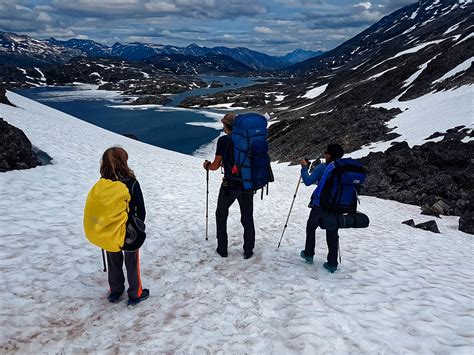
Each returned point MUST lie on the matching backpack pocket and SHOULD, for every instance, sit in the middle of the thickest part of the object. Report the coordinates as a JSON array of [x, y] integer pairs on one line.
[[259, 161], [135, 234]]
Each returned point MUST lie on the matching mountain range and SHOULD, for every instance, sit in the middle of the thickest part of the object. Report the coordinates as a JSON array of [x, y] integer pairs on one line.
[[27, 51]]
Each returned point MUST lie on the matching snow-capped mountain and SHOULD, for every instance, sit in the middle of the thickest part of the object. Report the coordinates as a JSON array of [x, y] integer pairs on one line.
[[27, 53], [87, 47], [139, 51], [253, 59], [19, 50], [422, 48], [420, 23], [19, 47]]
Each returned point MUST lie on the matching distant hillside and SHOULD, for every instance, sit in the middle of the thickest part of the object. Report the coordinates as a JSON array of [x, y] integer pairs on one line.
[[189, 64], [424, 47], [300, 55]]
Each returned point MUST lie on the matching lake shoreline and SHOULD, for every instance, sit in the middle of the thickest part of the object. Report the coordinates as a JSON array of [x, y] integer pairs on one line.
[[184, 130]]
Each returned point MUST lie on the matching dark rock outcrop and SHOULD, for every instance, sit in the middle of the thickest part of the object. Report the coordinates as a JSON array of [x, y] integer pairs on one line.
[[308, 137], [466, 222], [430, 226], [15, 149], [131, 136], [151, 100], [3, 98], [438, 176]]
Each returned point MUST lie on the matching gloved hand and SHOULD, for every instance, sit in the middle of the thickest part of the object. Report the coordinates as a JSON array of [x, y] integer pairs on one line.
[[314, 164]]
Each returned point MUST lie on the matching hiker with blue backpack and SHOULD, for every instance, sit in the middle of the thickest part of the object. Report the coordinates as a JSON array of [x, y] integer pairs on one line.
[[242, 154], [334, 199]]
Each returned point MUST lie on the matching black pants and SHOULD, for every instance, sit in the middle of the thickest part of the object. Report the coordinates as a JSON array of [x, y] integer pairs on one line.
[[332, 238], [226, 198], [115, 273]]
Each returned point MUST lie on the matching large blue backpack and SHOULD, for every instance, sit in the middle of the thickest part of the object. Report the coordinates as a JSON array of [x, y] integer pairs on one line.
[[338, 187], [249, 137]]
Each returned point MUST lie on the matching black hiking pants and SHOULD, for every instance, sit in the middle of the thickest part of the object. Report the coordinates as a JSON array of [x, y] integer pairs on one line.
[[226, 198], [332, 237], [115, 272]]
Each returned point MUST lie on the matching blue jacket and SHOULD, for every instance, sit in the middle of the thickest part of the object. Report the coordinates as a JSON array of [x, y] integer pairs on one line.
[[319, 175], [310, 179]]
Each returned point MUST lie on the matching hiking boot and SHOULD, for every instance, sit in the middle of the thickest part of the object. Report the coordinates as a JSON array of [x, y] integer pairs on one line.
[[114, 297], [224, 255], [331, 269], [134, 301], [248, 255], [307, 259]]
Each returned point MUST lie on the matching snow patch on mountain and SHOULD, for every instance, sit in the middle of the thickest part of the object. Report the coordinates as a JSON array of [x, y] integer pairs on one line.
[[315, 92], [459, 68], [416, 48], [423, 116]]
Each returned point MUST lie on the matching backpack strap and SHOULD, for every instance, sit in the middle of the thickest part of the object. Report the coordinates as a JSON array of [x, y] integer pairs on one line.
[[131, 189]]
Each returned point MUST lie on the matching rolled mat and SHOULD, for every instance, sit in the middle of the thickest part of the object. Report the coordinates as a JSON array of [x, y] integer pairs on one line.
[[351, 220]]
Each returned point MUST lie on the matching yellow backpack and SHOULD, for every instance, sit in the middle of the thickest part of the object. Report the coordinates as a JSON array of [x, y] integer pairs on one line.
[[106, 214]]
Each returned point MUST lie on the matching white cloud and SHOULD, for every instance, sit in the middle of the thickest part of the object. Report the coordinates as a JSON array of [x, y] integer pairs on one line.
[[265, 30], [366, 5], [228, 37], [44, 17]]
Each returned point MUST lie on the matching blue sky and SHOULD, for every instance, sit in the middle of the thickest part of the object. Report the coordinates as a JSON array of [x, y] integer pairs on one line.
[[274, 27]]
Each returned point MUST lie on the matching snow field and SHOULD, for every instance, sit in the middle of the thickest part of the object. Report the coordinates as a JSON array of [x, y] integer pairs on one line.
[[398, 290], [433, 112]]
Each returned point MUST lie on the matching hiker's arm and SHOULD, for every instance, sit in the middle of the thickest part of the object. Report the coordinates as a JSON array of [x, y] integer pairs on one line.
[[213, 165], [318, 172], [139, 201], [307, 178]]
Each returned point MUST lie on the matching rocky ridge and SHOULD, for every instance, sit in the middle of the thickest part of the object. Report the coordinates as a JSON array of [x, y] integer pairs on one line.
[[16, 151]]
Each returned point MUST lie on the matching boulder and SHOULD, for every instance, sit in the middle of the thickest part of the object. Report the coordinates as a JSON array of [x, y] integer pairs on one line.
[[430, 226], [15, 149], [4, 99], [409, 222], [466, 222], [429, 211]]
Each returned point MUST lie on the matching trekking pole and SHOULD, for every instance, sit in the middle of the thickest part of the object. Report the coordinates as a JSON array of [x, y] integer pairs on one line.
[[103, 260], [207, 200], [288, 218]]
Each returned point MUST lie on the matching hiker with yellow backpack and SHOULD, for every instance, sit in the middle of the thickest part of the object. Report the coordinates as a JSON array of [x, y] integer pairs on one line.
[[114, 218]]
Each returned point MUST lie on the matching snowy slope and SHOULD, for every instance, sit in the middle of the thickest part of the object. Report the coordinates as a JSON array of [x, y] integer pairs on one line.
[[398, 290], [421, 117]]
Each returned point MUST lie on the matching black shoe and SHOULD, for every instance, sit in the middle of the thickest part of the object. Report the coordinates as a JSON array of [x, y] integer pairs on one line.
[[114, 297], [332, 269], [307, 259], [134, 301], [248, 255], [224, 255]]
